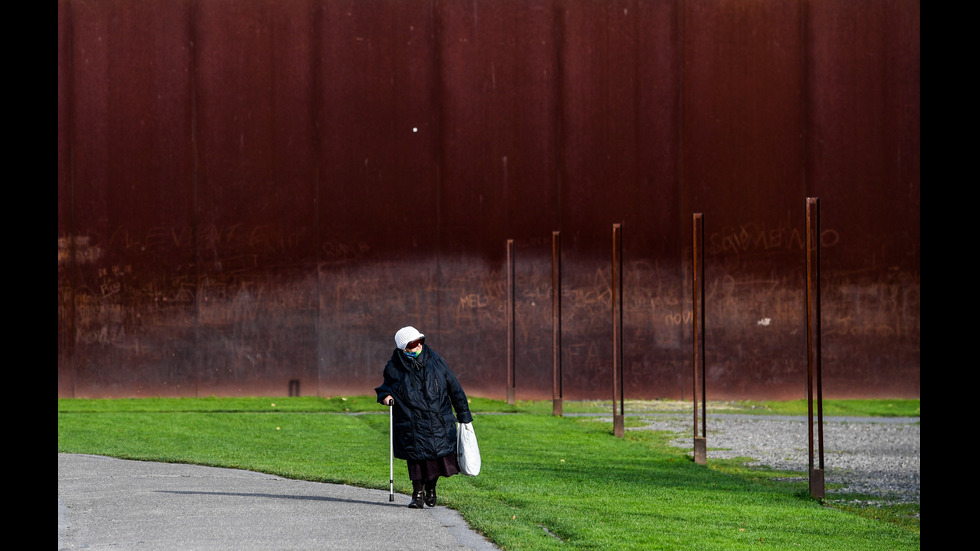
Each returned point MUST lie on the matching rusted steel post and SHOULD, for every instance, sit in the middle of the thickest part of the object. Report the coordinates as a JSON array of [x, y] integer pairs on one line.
[[697, 315], [511, 384], [813, 372], [556, 405], [617, 322]]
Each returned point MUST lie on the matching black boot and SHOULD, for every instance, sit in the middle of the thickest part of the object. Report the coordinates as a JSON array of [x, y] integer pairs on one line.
[[430, 492], [418, 495]]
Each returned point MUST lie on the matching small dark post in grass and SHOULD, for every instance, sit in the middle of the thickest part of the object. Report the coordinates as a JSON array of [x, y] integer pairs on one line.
[[813, 374], [510, 322], [617, 314], [556, 321], [697, 313]]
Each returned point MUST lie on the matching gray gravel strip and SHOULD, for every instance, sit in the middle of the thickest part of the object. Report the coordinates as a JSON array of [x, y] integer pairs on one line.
[[878, 456]]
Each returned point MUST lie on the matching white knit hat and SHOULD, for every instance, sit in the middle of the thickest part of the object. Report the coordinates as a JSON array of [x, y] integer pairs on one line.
[[406, 335]]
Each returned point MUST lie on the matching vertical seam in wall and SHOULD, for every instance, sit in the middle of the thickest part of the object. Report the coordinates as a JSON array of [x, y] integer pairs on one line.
[[683, 193], [435, 11], [195, 219], [559, 26], [72, 266], [687, 206], [317, 15]]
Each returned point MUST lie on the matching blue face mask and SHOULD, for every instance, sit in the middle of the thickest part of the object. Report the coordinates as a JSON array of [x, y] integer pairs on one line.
[[411, 354]]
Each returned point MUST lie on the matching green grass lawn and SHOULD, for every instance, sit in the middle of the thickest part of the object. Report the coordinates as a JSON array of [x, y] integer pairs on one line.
[[547, 482]]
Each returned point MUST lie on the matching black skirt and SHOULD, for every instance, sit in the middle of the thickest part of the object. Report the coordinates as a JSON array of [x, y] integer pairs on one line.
[[430, 469]]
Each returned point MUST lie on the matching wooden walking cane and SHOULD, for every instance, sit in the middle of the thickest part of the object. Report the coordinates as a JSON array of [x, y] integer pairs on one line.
[[391, 453]]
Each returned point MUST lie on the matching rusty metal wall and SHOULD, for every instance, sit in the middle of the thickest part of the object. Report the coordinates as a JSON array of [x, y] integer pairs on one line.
[[254, 196]]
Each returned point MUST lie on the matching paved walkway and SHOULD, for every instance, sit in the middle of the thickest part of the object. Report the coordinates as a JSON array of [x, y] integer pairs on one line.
[[107, 503]]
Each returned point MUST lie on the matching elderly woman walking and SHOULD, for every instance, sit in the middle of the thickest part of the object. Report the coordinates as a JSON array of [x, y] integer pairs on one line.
[[424, 392]]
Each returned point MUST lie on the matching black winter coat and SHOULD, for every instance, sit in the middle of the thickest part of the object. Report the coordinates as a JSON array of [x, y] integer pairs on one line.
[[426, 392]]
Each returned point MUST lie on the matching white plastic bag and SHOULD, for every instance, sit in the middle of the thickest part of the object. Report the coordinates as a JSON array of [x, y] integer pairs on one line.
[[467, 450]]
